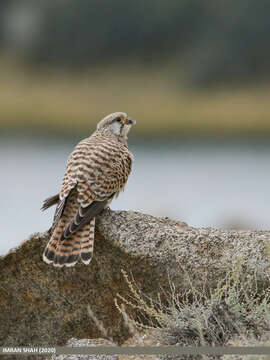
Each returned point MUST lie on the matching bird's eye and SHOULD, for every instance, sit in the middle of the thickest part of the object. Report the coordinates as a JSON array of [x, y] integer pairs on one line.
[[119, 119]]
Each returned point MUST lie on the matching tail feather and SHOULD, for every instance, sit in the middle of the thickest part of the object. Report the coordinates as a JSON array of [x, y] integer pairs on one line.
[[87, 243], [53, 200], [50, 250], [73, 257], [48, 255], [62, 250], [69, 249], [57, 251]]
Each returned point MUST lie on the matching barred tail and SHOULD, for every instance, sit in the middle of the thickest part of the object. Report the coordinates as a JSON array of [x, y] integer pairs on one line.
[[49, 253], [87, 243], [72, 237], [67, 251]]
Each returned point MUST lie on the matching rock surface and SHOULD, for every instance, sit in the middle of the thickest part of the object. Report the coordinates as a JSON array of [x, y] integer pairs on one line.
[[44, 305], [85, 343]]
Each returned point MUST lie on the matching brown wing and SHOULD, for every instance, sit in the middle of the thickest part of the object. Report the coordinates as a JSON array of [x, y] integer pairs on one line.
[[52, 200], [58, 212], [83, 216], [98, 169]]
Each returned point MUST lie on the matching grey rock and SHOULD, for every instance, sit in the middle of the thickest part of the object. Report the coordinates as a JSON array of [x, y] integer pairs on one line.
[[44, 305]]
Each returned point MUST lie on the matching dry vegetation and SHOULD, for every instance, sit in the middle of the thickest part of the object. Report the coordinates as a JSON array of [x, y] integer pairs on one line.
[[53, 100], [237, 313]]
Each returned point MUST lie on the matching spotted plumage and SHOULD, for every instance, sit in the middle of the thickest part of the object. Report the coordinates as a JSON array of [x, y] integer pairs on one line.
[[97, 170]]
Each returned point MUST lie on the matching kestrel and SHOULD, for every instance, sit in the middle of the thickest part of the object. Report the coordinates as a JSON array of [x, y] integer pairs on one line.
[[97, 170]]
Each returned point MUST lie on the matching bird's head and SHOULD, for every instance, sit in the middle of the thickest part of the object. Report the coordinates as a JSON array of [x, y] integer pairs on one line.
[[117, 123]]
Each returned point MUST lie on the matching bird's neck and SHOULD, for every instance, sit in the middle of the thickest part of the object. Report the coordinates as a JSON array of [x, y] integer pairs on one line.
[[105, 132], [122, 139]]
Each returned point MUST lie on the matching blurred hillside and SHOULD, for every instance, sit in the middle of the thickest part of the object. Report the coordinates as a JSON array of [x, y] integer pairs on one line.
[[65, 102], [212, 42], [199, 65]]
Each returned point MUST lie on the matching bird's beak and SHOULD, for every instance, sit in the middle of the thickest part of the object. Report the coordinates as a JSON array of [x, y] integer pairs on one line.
[[130, 121]]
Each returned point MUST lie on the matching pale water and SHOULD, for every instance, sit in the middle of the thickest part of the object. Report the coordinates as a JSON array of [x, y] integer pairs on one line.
[[204, 183]]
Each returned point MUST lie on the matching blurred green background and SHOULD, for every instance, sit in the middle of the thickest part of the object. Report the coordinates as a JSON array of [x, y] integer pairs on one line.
[[195, 75], [186, 66]]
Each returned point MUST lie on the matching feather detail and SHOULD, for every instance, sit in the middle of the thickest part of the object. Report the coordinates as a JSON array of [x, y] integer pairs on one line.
[[73, 232], [83, 216], [53, 200], [87, 244]]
